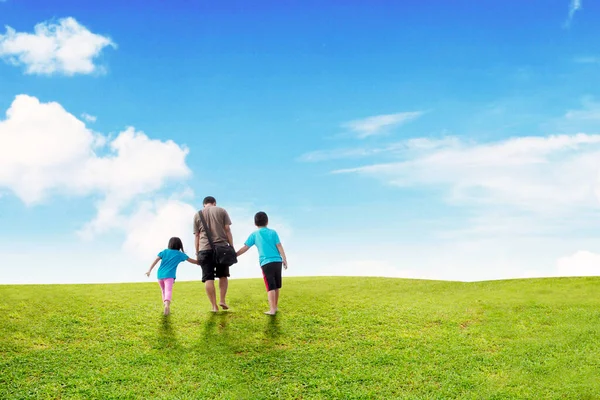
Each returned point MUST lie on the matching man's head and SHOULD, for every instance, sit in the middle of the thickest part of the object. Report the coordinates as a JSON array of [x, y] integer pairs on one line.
[[261, 219], [209, 201]]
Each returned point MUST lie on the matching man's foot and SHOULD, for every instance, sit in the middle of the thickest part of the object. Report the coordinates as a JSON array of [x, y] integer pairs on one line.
[[224, 306], [215, 310], [270, 312]]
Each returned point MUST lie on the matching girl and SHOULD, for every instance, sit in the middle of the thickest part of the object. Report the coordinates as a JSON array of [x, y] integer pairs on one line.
[[170, 259]]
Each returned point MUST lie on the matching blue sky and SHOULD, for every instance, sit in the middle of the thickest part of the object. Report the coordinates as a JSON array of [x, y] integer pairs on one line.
[[410, 139]]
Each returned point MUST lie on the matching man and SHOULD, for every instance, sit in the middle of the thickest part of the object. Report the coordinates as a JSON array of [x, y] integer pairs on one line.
[[219, 226]]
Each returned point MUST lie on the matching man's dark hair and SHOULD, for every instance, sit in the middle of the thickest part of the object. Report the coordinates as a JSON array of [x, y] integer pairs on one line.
[[175, 244], [261, 219], [209, 200]]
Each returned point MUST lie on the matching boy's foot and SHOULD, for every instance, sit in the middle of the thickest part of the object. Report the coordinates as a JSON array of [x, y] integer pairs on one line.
[[224, 306], [270, 312]]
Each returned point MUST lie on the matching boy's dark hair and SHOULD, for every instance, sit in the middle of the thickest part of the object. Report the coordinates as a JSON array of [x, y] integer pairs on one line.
[[175, 244], [209, 200], [261, 219]]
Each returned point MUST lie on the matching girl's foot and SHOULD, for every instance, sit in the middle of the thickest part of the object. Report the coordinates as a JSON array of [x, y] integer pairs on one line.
[[167, 309]]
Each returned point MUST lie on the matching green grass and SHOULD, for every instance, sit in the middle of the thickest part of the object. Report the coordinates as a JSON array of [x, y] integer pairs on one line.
[[345, 338]]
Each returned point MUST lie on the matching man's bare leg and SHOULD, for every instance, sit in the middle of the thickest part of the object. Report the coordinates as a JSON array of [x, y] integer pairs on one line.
[[223, 285], [212, 295]]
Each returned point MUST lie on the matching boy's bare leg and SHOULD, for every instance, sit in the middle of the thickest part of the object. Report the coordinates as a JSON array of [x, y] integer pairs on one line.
[[212, 296], [271, 295], [276, 299], [223, 285]]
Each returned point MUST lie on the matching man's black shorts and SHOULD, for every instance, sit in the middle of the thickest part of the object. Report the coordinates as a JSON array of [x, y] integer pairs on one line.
[[210, 269], [272, 275]]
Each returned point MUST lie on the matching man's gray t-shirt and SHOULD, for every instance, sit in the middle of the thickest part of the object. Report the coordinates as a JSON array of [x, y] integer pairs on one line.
[[216, 219]]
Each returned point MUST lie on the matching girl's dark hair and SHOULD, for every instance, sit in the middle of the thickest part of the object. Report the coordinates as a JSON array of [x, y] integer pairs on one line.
[[261, 219], [175, 244]]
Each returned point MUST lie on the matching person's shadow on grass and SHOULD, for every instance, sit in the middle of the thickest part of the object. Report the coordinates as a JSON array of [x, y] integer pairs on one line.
[[272, 330], [215, 328], [166, 336]]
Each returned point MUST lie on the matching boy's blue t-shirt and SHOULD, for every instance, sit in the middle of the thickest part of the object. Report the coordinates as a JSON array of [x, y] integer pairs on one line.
[[266, 241], [170, 259]]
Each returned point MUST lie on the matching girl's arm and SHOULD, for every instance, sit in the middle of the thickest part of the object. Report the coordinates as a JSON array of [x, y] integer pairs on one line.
[[191, 260], [152, 266], [282, 254], [242, 250]]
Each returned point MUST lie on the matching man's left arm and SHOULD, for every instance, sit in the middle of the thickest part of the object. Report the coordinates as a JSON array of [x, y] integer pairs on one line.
[[229, 235], [197, 232], [227, 225]]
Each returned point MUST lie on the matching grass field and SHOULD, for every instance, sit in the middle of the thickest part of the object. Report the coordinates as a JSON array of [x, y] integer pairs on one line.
[[345, 338]]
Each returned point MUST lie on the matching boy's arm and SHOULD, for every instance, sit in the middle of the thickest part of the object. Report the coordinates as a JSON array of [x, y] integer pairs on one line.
[[242, 250], [152, 266], [282, 254]]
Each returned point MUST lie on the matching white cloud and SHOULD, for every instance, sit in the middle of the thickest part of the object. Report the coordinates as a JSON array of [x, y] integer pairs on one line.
[[395, 148], [585, 118], [88, 118], [581, 263], [335, 154], [66, 47], [574, 6], [45, 150], [149, 229], [587, 60], [380, 123], [590, 111], [532, 173]]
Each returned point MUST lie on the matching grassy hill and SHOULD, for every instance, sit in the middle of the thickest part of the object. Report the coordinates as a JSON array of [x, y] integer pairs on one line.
[[344, 338]]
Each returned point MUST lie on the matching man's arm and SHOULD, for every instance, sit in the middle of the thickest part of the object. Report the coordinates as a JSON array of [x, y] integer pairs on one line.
[[197, 232], [229, 235], [282, 254]]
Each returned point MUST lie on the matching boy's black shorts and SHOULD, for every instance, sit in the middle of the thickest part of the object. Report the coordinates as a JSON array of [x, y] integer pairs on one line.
[[210, 269], [272, 275]]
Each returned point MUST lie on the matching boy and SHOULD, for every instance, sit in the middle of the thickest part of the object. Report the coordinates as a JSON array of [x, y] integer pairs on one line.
[[271, 257]]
